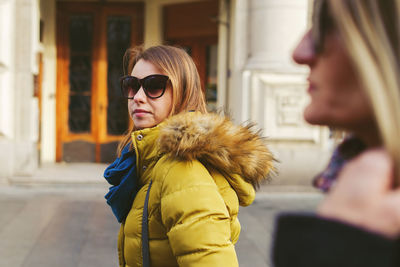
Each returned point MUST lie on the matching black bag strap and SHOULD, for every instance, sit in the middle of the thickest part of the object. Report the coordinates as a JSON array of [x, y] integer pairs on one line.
[[145, 230]]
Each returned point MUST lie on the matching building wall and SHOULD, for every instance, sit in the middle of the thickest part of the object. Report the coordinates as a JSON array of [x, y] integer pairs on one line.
[[257, 80], [153, 34], [153, 29], [268, 88]]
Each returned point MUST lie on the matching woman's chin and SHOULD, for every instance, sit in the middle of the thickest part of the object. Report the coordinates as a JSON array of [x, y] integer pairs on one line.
[[139, 125], [313, 117]]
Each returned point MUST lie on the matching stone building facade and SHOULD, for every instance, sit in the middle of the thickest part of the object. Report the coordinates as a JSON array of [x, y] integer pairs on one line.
[[242, 48]]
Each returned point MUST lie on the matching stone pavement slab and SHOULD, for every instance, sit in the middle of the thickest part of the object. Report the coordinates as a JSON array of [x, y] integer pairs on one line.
[[64, 173], [71, 225], [60, 226], [258, 221]]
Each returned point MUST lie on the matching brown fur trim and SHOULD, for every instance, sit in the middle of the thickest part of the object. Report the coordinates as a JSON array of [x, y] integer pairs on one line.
[[215, 141]]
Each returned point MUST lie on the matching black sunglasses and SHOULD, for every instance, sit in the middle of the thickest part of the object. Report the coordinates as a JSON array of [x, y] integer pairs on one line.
[[153, 85], [322, 24]]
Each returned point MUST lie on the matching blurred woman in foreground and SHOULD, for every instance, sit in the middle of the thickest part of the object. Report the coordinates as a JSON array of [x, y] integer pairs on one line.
[[353, 52]]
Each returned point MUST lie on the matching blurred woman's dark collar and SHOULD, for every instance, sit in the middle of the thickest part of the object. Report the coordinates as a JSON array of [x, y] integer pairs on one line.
[[351, 147]]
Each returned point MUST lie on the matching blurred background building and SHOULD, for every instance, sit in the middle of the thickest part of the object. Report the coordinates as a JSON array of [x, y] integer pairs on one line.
[[60, 61]]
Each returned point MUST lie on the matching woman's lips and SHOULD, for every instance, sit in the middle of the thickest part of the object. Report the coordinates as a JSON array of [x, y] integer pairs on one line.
[[140, 112], [310, 88]]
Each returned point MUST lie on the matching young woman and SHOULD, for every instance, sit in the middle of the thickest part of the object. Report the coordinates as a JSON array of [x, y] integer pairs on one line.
[[182, 173], [353, 53]]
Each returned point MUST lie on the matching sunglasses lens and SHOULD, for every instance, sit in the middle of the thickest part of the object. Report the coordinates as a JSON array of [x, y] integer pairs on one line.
[[155, 85], [322, 24], [130, 86]]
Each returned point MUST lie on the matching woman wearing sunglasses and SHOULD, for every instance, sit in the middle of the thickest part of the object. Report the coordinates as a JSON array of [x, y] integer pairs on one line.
[[181, 173], [353, 52]]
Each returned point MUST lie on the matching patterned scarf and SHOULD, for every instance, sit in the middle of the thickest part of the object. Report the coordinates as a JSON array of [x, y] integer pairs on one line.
[[347, 150]]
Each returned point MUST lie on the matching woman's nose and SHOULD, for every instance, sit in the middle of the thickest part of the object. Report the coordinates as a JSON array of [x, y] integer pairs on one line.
[[140, 95], [304, 53]]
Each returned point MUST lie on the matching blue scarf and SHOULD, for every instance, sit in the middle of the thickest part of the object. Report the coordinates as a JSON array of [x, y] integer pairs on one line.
[[121, 174]]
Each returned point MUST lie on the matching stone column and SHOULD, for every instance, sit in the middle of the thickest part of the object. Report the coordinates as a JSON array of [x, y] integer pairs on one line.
[[19, 109], [270, 89], [26, 106], [7, 66], [153, 23], [48, 120]]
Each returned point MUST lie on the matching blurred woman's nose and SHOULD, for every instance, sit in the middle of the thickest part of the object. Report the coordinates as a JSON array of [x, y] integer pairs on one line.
[[304, 53], [140, 96]]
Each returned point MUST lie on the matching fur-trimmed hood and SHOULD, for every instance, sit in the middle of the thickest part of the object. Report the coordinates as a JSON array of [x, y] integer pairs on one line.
[[216, 142]]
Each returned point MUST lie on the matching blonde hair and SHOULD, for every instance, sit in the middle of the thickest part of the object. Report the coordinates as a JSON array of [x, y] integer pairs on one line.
[[184, 78], [371, 34]]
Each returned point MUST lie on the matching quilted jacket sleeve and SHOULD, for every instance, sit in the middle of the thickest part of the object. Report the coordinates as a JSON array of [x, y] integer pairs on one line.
[[305, 240], [196, 218]]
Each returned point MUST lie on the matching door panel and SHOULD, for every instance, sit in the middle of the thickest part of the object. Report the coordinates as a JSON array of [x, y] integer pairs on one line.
[[194, 27], [118, 38], [91, 40], [204, 54], [80, 73]]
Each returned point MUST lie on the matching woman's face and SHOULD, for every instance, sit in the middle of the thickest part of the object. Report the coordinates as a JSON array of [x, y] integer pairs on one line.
[[337, 97], [144, 111]]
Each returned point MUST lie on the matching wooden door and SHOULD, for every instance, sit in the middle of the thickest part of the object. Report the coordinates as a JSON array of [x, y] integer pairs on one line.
[[194, 26], [204, 54], [91, 113]]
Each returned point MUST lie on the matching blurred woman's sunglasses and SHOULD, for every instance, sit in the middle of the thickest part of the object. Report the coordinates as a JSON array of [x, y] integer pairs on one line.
[[153, 85], [322, 24]]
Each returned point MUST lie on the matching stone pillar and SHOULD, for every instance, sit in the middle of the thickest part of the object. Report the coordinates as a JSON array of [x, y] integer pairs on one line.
[[239, 53], [223, 53], [48, 120], [153, 23], [19, 109], [26, 106], [270, 89], [7, 66]]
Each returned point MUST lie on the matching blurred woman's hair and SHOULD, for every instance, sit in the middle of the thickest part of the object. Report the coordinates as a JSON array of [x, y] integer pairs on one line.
[[370, 30], [184, 78]]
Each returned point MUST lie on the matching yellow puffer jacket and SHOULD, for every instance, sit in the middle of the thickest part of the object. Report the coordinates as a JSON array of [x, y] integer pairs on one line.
[[202, 167]]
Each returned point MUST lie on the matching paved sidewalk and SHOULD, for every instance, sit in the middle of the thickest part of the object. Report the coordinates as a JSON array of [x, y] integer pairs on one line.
[[59, 218], [64, 173], [56, 226], [71, 225]]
